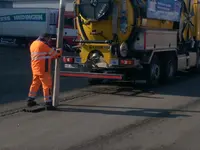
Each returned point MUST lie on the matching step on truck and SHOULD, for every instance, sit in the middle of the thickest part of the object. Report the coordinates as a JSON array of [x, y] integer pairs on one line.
[[21, 26], [135, 40]]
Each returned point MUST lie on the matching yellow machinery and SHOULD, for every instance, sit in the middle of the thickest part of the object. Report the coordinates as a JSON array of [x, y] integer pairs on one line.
[[135, 39]]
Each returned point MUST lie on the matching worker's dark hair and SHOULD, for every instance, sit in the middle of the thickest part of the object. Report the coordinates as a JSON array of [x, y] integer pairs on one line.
[[45, 35]]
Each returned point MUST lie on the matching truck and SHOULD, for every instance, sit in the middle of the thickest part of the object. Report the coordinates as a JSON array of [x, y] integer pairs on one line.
[[132, 40], [21, 26]]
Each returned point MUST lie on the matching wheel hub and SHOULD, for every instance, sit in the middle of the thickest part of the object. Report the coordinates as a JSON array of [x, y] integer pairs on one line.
[[155, 71], [170, 69]]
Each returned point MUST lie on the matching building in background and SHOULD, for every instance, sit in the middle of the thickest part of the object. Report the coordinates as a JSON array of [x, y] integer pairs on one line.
[[42, 4], [6, 4]]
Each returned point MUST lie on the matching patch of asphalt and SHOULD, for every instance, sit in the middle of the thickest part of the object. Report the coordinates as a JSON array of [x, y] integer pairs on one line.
[[159, 117]]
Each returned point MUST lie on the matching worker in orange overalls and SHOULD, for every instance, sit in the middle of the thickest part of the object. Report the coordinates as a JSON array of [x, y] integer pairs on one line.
[[41, 56]]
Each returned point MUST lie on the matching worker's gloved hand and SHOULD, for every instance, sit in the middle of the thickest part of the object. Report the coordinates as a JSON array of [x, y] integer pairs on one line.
[[59, 52]]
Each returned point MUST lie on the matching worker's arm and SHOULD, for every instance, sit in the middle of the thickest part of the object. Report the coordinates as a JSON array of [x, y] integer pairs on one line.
[[56, 53], [53, 52]]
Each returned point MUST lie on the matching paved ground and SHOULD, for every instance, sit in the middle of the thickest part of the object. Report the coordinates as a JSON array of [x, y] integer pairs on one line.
[[110, 118]]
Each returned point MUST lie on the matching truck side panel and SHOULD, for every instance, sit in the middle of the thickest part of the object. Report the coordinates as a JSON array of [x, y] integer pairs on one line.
[[23, 22]]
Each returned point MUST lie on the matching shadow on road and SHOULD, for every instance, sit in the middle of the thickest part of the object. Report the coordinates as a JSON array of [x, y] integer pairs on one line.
[[142, 112], [152, 110]]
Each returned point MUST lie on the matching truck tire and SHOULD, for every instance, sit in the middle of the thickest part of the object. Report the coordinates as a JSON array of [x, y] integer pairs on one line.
[[153, 72], [168, 69]]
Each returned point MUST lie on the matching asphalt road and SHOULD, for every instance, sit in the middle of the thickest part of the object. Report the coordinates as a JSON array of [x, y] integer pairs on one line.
[[15, 75], [111, 117], [123, 118]]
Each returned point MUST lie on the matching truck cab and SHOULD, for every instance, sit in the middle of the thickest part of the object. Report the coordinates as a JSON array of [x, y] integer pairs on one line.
[[70, 33]]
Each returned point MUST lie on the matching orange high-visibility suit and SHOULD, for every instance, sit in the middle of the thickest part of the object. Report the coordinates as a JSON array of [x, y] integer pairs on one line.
[[41, 56]]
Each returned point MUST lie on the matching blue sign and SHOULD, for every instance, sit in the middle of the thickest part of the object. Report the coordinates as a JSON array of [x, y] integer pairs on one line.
[[164, 10], [24, 17]]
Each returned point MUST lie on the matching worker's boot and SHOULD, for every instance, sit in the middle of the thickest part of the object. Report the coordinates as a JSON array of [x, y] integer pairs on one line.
[[31, 102], [49, 106]]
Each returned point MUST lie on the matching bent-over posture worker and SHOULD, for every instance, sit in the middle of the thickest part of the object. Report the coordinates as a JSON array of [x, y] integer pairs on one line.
[[41, 56]]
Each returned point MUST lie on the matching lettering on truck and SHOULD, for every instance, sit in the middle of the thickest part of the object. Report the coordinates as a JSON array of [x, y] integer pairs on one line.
[[28, 17], [24, 17], [5, 18]]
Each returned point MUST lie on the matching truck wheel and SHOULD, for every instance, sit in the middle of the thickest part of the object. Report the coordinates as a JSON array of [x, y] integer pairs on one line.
[[154, 72], [168, 69]]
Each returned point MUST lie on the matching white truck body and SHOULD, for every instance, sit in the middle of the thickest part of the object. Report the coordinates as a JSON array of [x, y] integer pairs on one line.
[[27, 22]]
